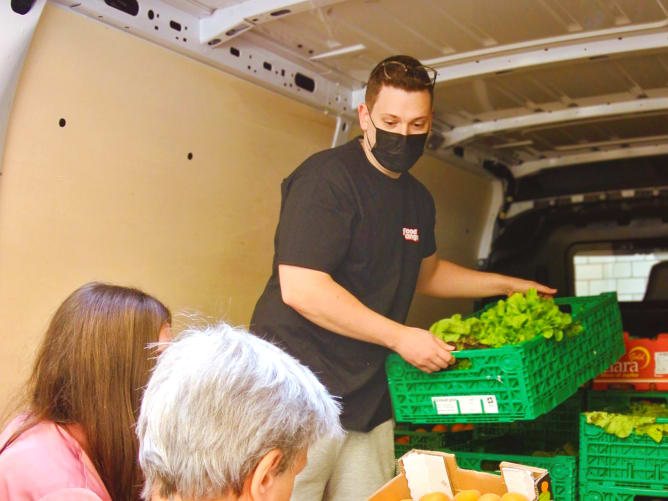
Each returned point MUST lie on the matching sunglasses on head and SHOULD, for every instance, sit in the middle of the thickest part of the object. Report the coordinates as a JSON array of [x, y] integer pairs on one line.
[[396, 69]]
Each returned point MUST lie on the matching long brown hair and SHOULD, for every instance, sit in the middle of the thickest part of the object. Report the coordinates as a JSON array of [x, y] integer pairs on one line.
[[91, 369]]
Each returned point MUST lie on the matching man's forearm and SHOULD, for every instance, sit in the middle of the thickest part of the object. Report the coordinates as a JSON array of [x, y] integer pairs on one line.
[[448, 280], [444, 279], [317, 297]]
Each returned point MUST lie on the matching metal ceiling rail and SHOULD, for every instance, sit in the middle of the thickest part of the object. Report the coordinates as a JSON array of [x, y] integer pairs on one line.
[[509, 57], [533, 166], [296, 77], [259, 59], [517, 208], [228, 22], [549, 55], [575, 114], [619, 142]]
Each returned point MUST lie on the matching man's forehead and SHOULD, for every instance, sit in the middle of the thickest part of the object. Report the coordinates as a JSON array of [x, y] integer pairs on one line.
[[400, 102]]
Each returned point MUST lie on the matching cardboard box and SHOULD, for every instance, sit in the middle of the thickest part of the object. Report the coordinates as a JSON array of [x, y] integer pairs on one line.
[[423, 472], [644, 366]]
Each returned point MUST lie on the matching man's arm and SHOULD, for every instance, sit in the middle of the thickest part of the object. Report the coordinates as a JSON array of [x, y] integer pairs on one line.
[[316, 296], [442, 278]]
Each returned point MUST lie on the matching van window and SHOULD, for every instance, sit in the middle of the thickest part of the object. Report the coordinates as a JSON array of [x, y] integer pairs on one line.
[[626, 273]]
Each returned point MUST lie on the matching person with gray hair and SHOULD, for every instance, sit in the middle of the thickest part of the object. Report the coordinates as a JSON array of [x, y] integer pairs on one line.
[[227, 415]]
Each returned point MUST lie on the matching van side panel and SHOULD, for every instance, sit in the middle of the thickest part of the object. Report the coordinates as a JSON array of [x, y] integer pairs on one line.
[[128, 163], [462, 205], [111, 194], [15, 36]]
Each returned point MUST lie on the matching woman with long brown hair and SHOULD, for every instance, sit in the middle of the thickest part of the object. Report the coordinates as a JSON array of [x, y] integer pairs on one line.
[[75, 436]]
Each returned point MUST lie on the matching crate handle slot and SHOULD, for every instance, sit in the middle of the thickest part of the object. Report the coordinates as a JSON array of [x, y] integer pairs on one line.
[[565, 308], [489, 465], [460, 356]]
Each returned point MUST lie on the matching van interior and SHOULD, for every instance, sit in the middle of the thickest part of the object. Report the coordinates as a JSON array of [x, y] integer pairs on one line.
[[144, 142]]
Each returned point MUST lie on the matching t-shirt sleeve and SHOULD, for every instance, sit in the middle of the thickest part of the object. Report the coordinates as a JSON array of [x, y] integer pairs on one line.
[[315, 225], [429, 246]]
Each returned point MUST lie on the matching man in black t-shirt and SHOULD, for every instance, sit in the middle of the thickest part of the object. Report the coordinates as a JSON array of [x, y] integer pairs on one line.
[[355, 240]]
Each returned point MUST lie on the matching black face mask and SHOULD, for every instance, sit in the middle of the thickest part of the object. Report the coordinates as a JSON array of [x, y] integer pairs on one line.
[[397, 152]]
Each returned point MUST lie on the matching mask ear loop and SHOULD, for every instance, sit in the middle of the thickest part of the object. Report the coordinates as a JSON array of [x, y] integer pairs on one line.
[[367, 135]]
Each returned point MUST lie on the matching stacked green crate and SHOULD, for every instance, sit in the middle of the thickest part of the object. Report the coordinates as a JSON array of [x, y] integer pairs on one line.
[[549, 442], [536, 383], [598, 492], [512, 383], [621, 469], [486, 456], [405, 440], [412, 436], [555, 428], [598, 400]]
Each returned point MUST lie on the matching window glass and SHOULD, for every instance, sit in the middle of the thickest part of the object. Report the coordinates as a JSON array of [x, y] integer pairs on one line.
[[599, 271]]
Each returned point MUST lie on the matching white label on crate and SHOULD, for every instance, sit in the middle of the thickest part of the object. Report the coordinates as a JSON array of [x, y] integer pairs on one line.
[[489, 404], [445, 405], [520, 481], [471, 404], [426, 473], [661, 363]]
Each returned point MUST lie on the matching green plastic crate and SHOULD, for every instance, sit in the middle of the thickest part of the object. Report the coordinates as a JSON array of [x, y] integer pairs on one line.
[[513, 382], [427, 441], [552, 429], [563, 469], [632, 462], [598, 400], [596, 492]]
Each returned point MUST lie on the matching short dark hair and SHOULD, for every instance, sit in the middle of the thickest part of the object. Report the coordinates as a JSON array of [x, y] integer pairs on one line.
[[412, 76]]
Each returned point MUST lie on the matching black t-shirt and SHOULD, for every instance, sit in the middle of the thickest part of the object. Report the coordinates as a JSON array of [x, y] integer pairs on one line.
[[341, 215]]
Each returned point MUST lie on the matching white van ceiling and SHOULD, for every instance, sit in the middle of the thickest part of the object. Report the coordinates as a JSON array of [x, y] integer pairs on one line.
[[531, 84]]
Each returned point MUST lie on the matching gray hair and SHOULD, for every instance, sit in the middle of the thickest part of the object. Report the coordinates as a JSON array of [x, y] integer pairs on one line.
[[218, 400]]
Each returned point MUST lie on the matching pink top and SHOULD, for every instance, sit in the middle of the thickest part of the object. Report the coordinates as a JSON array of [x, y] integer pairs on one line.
[[46, 463]]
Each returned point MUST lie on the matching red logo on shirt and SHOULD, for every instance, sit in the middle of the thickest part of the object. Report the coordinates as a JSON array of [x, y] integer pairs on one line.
[[411, 234]]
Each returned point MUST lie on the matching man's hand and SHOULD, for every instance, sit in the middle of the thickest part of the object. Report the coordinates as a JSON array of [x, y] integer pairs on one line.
[[425, 351], [520, 285]]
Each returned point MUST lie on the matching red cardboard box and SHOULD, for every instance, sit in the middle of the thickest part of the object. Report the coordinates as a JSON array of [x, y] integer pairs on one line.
[[644, 366]]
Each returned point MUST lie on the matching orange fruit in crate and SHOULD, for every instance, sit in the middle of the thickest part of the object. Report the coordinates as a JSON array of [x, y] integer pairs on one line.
[[489, 497], [514, 496], [403, 440], [458, 427], [439, 427], [470, 495], [421, 430], [435, 496]]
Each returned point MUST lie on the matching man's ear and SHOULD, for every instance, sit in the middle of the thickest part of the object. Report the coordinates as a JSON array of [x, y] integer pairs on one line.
[[264, 476], [363, 115]]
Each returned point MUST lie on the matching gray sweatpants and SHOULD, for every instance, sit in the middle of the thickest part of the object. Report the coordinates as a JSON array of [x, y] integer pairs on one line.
[[348, 469]]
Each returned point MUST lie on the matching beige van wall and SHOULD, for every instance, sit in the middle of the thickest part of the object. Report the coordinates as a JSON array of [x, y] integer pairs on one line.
[[112, 195], [462, 204]]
